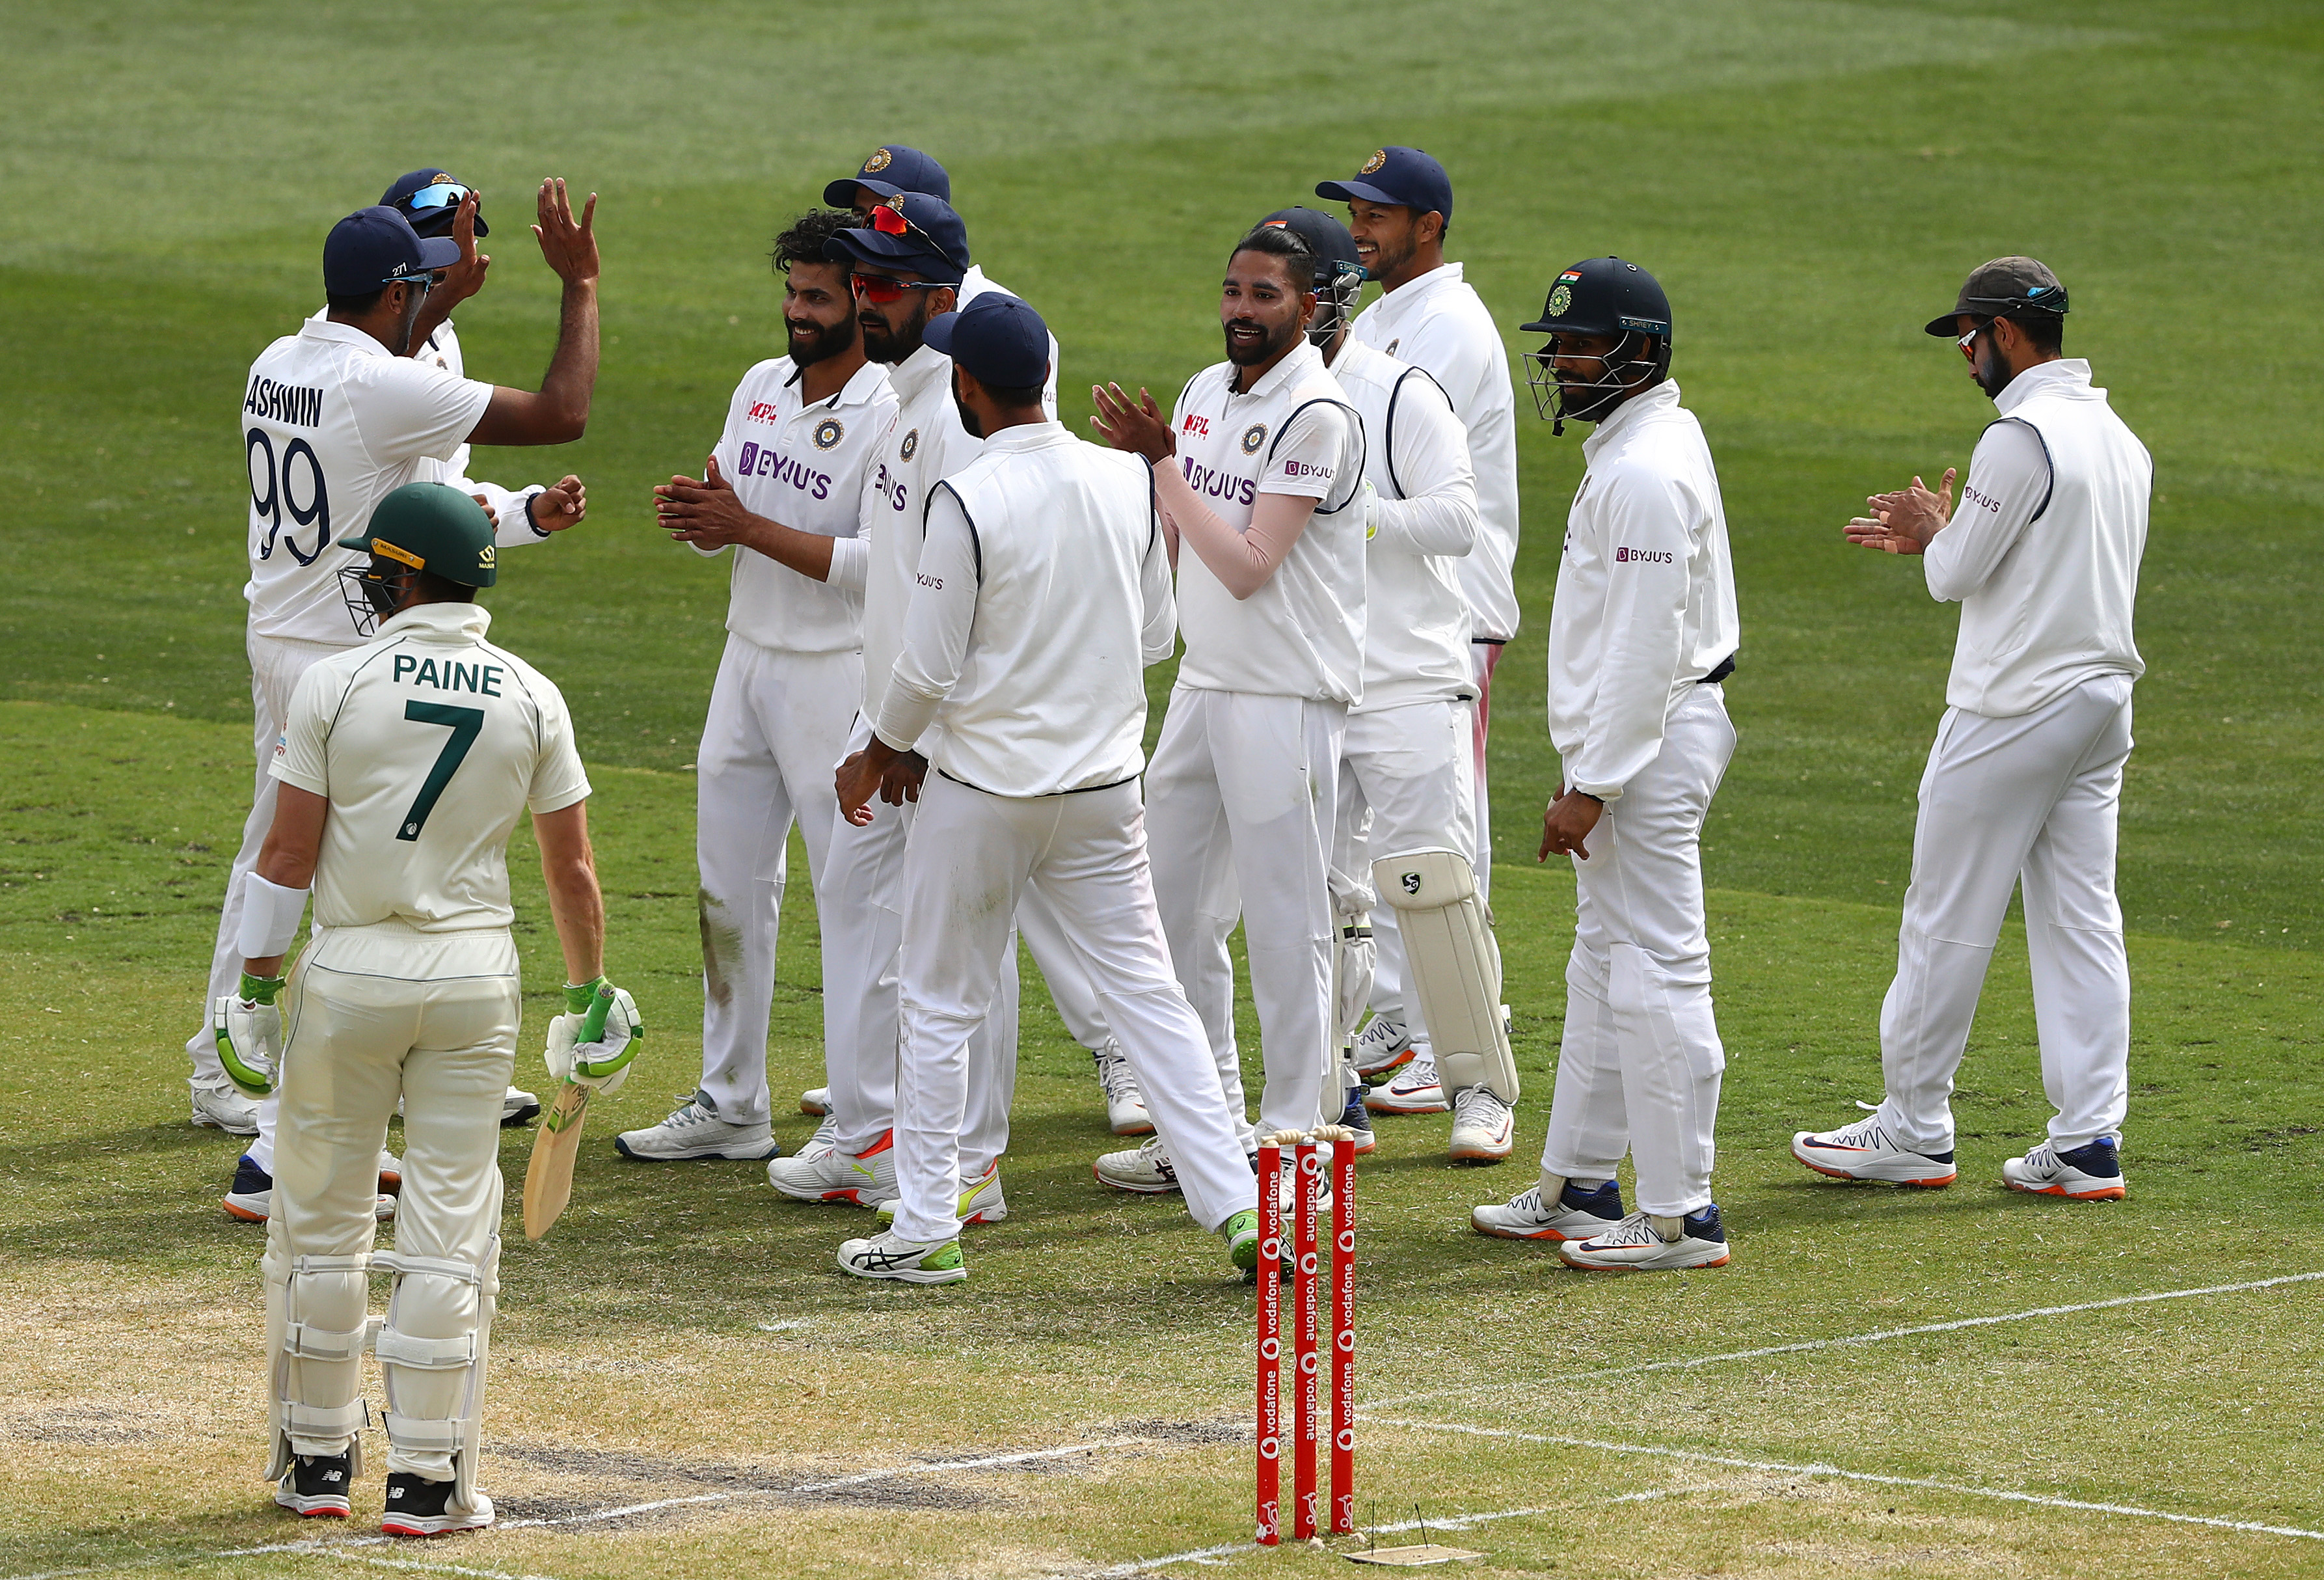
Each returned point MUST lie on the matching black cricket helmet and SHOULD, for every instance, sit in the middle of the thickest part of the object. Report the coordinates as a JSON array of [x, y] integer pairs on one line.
[[1606, 296]]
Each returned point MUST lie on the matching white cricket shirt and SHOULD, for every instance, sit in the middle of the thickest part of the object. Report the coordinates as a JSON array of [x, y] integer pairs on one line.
[[331, 424], [1042, 594], [1417, 458], [925, 443], [1646, 591], [802, 465], [512, 527], [429, 743], [1302, 633], [2044, 547], [975, 283], [1440, 323]]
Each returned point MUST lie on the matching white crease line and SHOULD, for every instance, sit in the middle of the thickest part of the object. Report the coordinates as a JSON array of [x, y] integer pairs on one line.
[[1858, 1475], [1806, 1345], [316, 1549]]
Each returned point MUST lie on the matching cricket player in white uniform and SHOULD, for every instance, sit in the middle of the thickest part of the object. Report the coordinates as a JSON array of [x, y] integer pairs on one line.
[[1043, 591], [1400, 207], [1643, 632], [335, 417], [1259, 471], [403, 768], [779, 496], [2025, 780]]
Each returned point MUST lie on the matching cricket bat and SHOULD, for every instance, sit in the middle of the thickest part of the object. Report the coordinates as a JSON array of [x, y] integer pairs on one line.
[[548, 1177]]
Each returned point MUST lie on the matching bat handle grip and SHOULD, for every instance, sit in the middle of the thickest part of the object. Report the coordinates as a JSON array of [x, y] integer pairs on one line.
[[593, 1024]]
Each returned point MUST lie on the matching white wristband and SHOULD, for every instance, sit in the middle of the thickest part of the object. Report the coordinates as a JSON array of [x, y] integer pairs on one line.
[[270, 917]]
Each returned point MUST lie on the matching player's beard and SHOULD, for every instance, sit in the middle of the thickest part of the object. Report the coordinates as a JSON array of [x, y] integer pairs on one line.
[[809, 342], [883, 344], [1990, 371], [1272, 343]]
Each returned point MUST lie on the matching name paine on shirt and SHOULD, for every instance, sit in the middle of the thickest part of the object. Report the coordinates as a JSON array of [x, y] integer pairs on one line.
[[483, 678], [293, 406]]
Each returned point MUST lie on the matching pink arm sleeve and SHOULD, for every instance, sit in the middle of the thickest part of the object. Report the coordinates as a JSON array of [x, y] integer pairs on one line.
[[1242, 561]]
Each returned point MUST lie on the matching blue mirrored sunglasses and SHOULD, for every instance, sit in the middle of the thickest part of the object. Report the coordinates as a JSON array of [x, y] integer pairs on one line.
[[442, 195]]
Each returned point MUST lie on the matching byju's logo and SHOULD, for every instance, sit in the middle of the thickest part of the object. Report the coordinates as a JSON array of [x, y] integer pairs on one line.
[[1642, 557]]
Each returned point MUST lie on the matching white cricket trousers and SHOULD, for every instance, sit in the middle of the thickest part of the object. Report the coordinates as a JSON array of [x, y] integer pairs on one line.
[[275, 667], [862, 902], [973, 857], [1404, 784], [1484, 658], [376, 1014], [2031, 799], [1639, 1066], [1241, 809], [778, 721]]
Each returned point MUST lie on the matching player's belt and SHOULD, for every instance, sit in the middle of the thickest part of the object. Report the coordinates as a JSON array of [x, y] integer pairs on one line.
[[1724, 667]]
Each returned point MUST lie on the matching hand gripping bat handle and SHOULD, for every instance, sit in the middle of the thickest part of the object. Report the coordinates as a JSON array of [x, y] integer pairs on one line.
[[593, 1024]]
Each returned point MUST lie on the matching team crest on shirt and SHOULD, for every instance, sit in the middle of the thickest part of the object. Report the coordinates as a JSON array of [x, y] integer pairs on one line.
[[828, 433], [1379, 158], [881, 159], [1560, 300], [1392, 346], [1253, 437], [911, 444]]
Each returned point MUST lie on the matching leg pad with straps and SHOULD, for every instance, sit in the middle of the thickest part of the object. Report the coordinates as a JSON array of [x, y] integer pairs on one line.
[[1455, 966]]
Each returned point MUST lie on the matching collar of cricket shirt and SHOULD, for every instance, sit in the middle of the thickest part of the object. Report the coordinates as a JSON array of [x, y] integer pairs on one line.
[[443, 622]]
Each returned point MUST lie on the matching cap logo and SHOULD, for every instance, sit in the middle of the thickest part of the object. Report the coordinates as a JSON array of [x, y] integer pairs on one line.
[[484, 557], [1560, 300], [1253, 437], [828, 433], [387, 550], [911, 446], [881, 160], [1571, 275], [1371, 165]]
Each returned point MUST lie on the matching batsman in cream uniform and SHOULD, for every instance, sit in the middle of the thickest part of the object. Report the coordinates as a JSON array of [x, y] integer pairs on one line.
[[404, 766], [2025, 780], [334, 418], [1643, 632], [1259, 472], [801, 435]]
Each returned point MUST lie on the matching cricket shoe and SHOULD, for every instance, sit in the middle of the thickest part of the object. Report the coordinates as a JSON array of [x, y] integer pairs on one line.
[[981, 1201], [1240, 1232], [1864, 1151], [883, 1256], [1382, 1046], [1145, 1170], [316, 1486], [863, 1179], [1580, 1212], [816, 1100], [219, 1104], [1125, 1105], [1483, 1128], [251, 1197], [1356, 1117], [2087, 1173], [416, 1507], [694, 1130], [825, 1137], [1642, 1243], [518, 1105], [1414, 1089], [1287, 1197]]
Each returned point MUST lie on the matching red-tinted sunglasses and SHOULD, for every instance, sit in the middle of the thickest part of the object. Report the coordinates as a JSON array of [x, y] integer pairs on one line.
[[879, 290]]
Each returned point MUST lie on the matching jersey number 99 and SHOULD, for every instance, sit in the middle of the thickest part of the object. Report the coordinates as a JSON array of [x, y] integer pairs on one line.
[[280, 496]]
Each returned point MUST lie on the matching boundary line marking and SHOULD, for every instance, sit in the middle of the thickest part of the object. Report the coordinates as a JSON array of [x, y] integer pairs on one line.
[[1806, 1345], [1696, 1457]]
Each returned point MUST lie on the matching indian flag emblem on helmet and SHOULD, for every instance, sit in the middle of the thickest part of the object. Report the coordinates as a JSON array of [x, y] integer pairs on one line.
[[881, 159], [1379, 158], [827, 433], [1560, 300]]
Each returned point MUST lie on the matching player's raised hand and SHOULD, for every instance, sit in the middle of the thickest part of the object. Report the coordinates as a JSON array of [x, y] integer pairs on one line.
[[560, 505], [1136, 425], [463, 279], [569, 245], [706, 512]]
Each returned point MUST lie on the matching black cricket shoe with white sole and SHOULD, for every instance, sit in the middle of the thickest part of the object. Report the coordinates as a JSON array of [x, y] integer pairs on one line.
[[416, 1507], [315, 1487], [1356, 1117]]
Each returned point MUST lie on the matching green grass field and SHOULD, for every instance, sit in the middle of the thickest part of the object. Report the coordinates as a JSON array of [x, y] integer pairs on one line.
[[1810, 181]]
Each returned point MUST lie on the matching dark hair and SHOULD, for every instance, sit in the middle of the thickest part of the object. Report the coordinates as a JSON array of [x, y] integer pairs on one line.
[[1280, 241], [356, 306], [1014, 398], [2047, 331], [801, 242]]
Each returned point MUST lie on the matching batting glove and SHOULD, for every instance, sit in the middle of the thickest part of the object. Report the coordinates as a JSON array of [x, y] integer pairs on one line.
[[248, 1026], [604, 1064]]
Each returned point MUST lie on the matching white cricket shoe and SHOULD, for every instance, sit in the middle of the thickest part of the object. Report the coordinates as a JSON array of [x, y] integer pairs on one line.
[[1414, 1089], [250, 1199], [1864, 1151], [1483, 1128], [694, 1130], [518, 1105], [825, 1137], [1578, 1213], [1642, 1243], [1125, 1105], [981, 1201], [883, 1256], [219, 1104], [1145, 1170], [816, 1100], [1383, 1045], [864, 1179], [2087, 1173]]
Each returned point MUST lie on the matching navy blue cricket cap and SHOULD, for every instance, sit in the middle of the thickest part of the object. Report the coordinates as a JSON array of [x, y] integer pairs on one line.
[[997, 337], [889, 168], [1404, 176], [373, 247], [909, 230], [430, 199]]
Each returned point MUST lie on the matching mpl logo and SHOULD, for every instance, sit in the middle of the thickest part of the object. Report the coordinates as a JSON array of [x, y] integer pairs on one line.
[[763, 412], [1196, 423], [1641, 556]]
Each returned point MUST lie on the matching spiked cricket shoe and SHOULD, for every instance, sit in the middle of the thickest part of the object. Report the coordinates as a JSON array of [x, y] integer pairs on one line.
[[1865, 1151], [1125, 1105], [694, 1129], [1145, 1170], [219, 1104], [1642, 1243], [316, 1486], [981, 1201], [816, 1100], [1240, 1232], [1414, 1089], [864, 1179], [517, 1106], [1381, 1048], [1358, 1118], [1578, 1212], [883, 1256], [416, 1506], [1483, 1128], [2087, 1173]]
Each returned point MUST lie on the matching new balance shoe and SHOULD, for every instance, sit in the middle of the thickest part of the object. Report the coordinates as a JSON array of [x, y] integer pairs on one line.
[[316, 1486], [694, 1129], [1125, 1105], [816, 1100], [864, 1179], [219, 1104], [1865, 1151], [1414, 1089], [517, 1106], [1578, 1212], [1358, 1118], [251, 1197], [2087, 1173], [981, 1201], [1483, 1128], [883, 1256], [1240, 1232], [1382, 1046], [1642, 1243], [416, 1506], [1147, 1170]]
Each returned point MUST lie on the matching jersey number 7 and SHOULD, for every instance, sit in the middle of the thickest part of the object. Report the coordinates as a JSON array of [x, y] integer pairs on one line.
[[466, 723]]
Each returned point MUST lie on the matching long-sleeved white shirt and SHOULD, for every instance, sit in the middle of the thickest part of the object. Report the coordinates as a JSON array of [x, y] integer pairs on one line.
[[2042, 550], [1646, 591], [1043, 591], [924, 444], [1440, 323]]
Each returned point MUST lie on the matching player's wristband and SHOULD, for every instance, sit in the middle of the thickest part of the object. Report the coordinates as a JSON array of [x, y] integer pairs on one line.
[[538, 530], [260, 990], [578, 999]]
